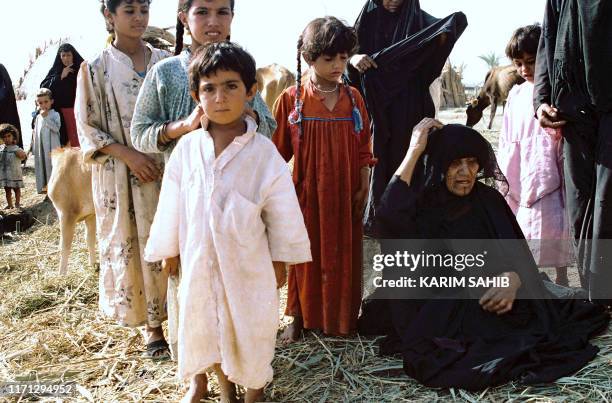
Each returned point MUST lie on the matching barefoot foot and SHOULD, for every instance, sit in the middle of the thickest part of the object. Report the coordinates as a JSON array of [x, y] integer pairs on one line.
[[198, 389], [253, 395], [292, 332]]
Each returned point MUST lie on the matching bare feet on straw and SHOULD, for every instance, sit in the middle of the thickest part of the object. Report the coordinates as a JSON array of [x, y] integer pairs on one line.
[[292, 332], [198, 389]]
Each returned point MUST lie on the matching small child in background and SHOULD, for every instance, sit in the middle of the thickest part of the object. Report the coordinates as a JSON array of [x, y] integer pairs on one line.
[[11, 176], [46, 138], [324, 125], [228, 208], [531, 159]]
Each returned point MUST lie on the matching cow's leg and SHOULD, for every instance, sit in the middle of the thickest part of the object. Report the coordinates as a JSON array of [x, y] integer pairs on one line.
[[67, 224], [90, 222], [493, 110]]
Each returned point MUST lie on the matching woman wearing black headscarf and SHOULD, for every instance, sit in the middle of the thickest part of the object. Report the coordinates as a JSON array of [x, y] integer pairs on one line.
[[475, 339], [8, 104], [402, 50], [61, 80]]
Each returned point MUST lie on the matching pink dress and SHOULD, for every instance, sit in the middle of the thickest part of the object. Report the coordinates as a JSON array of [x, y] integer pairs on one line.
[[532, 161]]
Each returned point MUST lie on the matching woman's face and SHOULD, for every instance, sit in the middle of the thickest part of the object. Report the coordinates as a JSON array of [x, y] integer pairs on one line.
[[392, 6], [208, 21], [67, 58], [461, 176], [130, 19]]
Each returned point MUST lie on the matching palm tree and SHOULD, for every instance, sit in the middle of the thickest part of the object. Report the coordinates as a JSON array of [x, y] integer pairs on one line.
[[491, 59]]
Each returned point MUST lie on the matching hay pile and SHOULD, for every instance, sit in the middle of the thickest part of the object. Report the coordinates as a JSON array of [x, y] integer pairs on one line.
[[52, 330]]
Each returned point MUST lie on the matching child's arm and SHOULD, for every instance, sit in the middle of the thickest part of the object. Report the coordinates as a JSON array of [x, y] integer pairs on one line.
[[282, 135], [21, 154], [53, 121], [163, 242], [280, 271], [366, 159], [287, 236]]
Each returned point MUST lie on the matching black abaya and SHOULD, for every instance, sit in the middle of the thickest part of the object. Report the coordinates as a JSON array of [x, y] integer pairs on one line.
[[410, 55], [8, 103], [454, 342]]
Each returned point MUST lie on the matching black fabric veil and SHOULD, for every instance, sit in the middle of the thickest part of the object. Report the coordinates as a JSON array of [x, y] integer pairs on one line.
[[8, 103], [410, 55], [454, 342], [64, 91]]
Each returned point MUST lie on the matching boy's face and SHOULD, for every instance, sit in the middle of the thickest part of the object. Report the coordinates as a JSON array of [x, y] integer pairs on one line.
[[44, 103], [330, 68], [525, 66], [223, 96]]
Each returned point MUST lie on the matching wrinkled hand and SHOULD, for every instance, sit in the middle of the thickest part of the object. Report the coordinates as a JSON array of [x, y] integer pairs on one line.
[[420, 133], [280, 271], [171, 265], [67, 70], [549, 117], [142, 166], [500, 300], [363, 63]]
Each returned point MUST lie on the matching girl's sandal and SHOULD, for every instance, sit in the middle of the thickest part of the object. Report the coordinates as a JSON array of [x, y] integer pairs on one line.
[[157, 350]]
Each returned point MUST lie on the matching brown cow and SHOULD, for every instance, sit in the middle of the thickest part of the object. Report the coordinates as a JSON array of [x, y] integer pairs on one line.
[[272, 80], [498, 83], [70, 191]]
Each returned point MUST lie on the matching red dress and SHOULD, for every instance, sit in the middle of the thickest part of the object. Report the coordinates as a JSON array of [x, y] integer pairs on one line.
[[326, 293]]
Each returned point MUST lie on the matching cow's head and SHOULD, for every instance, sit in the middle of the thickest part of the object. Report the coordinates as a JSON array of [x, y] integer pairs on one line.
[[474, 110]]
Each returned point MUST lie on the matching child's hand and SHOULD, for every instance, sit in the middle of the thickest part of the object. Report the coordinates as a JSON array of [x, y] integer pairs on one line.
[[280, 271], [21, 155], [44, 112], [142, 166], [171, 265]]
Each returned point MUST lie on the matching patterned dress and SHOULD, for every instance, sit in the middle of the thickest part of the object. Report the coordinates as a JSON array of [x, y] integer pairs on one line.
[[11, 175], [132, 291]]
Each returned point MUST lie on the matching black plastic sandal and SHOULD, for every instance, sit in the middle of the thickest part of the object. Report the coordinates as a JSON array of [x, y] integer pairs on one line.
[[158, 350]]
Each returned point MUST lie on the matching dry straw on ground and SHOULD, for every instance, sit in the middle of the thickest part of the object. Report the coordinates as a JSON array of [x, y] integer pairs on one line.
[[51, 330]]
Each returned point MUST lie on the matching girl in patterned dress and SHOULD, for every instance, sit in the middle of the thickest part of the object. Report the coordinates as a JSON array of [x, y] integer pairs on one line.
[[11, 155], [125, 182]]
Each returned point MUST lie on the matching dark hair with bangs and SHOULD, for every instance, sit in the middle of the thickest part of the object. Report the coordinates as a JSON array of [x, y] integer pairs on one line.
[[227, 56], [111, 6], [184, 6], [327, 36], [7, 128], [524, 40]]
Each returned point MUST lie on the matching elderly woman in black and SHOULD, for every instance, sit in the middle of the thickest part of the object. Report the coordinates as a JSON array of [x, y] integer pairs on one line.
[[443, 190]]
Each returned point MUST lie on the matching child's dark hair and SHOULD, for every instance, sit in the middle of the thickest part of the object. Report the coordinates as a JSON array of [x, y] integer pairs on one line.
[[324, 36], [6, 128], [184, 6], [44, 92], [227, 56], [111, 6], [524, 40]]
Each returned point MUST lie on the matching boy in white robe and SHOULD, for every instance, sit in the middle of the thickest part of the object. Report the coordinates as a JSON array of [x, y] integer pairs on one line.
[[229, 209]]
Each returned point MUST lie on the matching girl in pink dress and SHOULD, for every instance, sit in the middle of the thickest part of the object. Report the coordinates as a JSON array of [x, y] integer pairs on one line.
[[531, 159]]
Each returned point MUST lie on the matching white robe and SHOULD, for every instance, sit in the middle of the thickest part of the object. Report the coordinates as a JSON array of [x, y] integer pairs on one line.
[[229, 218]]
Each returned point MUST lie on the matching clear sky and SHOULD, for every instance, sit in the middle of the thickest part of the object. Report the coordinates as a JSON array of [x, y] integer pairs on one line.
[[267, 28]]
